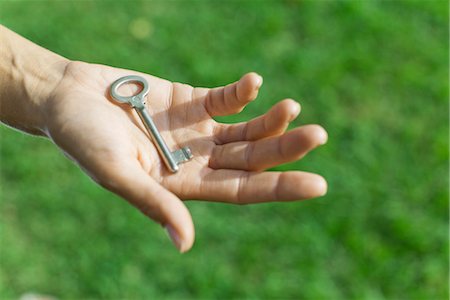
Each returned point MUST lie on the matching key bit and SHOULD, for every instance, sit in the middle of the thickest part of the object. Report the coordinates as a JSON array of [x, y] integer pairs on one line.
[[182, 155]]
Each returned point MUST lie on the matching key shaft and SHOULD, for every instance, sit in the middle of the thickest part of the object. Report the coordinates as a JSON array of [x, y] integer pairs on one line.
[[161, 145]]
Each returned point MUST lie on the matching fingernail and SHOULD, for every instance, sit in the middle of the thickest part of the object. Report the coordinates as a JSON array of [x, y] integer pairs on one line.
[[260, 82], [322, 186], [323, 137], [176, 240], [295, 111]]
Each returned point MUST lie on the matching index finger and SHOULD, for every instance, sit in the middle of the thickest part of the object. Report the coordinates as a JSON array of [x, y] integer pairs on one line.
[[242, 187]]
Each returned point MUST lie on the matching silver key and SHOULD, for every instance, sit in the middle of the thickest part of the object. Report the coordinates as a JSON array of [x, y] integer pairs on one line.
[[171, 159]]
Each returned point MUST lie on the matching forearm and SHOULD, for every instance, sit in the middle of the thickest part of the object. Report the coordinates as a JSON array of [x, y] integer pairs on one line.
[[28, 75]]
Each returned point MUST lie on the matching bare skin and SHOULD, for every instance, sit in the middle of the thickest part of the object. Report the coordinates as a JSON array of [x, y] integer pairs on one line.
[[111, 145]]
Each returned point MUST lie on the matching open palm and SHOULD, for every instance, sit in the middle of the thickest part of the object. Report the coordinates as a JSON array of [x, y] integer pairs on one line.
[[111, 144]]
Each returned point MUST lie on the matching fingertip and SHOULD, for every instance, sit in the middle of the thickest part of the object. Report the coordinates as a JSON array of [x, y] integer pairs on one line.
[[188, 239], [293, 108], [254, 78], [284, 111], [313, 134], [248, 86], [321, 186], [183, 240], [178, 223], [174, 236], [313, 187], [259, 81], [301, 186], [321, 134]]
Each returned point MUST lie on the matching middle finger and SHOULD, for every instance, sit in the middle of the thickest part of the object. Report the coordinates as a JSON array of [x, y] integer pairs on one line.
[[269, 152]]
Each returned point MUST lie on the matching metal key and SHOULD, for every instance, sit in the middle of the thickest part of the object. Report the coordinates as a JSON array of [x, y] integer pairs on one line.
[[171, 159]]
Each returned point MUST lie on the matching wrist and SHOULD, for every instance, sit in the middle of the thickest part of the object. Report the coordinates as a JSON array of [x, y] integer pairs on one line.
[[29, 74]]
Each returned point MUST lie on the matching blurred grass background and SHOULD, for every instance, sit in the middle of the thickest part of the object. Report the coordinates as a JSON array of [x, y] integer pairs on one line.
[[374, 73]]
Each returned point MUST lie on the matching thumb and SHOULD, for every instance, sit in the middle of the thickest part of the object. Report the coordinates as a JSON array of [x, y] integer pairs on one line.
[[140, 189]]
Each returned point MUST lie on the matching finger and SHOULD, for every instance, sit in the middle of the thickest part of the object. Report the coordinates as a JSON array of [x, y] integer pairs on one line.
[[269, 152], [243, 187], [274, 122], [232, 98], [131, 182]]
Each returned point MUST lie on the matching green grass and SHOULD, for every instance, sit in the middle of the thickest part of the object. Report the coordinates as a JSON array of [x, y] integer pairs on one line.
[[374, 73]]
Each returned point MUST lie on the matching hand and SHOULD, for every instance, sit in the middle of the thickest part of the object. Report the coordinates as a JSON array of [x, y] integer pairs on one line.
[[109, 142]]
